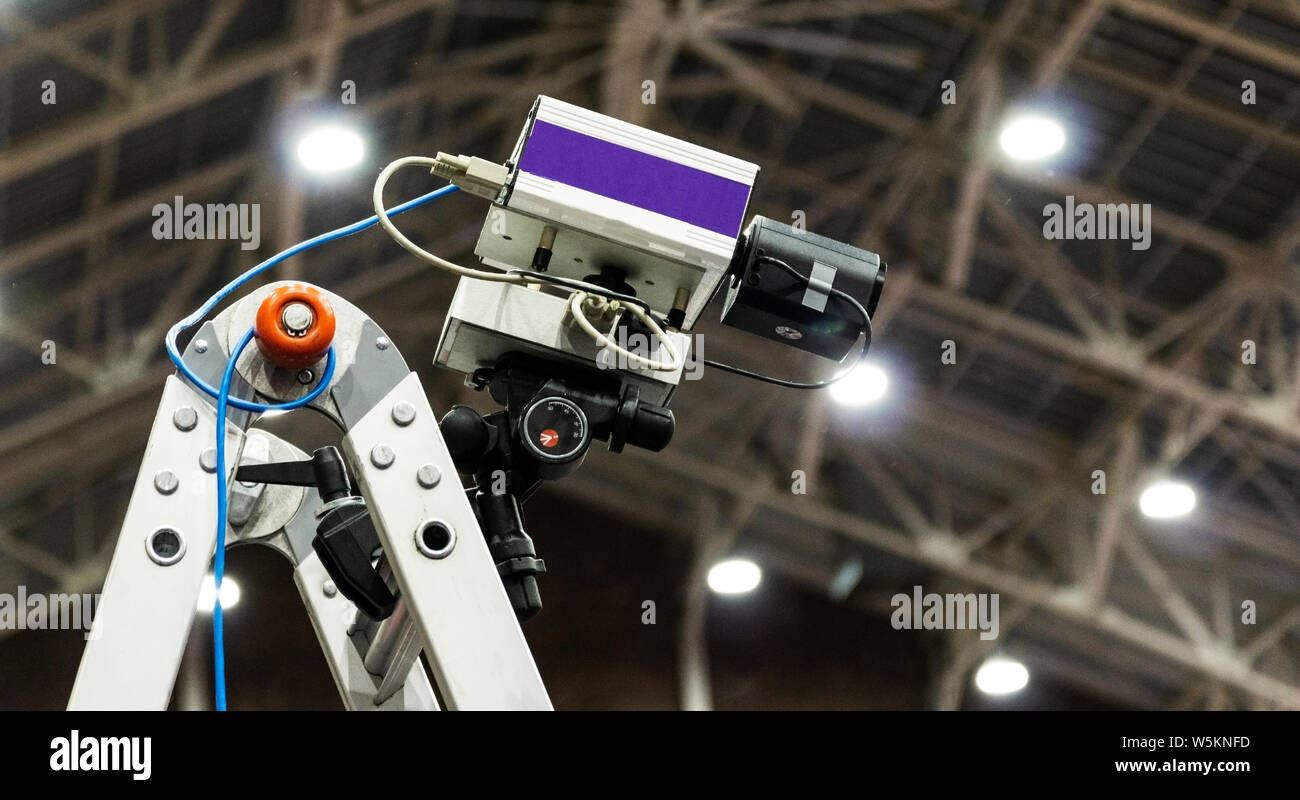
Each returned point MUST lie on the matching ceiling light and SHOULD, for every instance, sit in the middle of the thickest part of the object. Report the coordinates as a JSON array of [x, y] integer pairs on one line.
[[864, 386], [1030, 137], [735, 576], [1001, 676], [208, 592], [1167, 500], [330, 148]]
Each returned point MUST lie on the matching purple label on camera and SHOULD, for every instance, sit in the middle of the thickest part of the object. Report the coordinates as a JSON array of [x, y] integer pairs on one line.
[[636, 178]]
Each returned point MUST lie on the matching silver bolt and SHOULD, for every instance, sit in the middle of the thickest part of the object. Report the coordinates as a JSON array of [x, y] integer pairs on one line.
[[200, 345], [185, 418], [382, 343], [165, 481], [329, 588], [428, 475], [381, 455], [403, 413], [297, 318], [305, 376], [208, 459]]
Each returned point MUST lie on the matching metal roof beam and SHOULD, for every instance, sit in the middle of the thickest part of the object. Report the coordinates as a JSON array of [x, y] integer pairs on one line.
[[1261, 51]]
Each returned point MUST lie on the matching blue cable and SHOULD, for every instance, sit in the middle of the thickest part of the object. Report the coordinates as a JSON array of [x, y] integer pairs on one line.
[[219, 557], [224, 400], [173, 351]]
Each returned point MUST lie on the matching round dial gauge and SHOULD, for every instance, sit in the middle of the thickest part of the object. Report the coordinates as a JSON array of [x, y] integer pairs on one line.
[[555, 429]]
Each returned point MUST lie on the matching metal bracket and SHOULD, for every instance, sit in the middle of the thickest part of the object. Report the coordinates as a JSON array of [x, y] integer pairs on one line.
[[819, 286]]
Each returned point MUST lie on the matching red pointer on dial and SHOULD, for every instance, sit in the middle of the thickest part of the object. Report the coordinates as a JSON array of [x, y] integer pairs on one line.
[[549, 438]]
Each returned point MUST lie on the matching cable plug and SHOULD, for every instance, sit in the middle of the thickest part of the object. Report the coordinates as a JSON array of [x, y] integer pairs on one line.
[[600, 312], [472, 174]]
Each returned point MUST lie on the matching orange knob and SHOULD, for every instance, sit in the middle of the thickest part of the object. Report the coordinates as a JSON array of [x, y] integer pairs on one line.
[[294, 326]]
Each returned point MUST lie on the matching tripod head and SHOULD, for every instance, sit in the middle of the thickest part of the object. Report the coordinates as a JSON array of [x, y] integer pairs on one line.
[[552, 413]]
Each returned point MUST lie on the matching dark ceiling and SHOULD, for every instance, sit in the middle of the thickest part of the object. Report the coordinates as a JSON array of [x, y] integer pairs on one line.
[[1072, 356]]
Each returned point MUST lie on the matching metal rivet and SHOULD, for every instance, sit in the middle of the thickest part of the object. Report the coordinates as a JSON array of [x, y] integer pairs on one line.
[[165, 481], [403, 413], [381, 455], [428, 475], [382, 343], [200, 345], [305, 376], [165, 546], [208, 459], [329, 588], [185, 418]]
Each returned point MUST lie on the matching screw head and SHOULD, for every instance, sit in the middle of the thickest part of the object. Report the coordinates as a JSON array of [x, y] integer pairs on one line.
[[329, 588], [208, 459], [403, 413], [297, 318], [382, 456], [428, 475], [305, 376], [200, 345], [382, 343], [787, 332], [165, 481], [185, 418]]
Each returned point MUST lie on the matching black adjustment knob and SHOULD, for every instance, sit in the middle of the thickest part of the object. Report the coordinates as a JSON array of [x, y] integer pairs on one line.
[[469, 437], [643, 425], [326, 470], [513, 552], [653, 428]]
